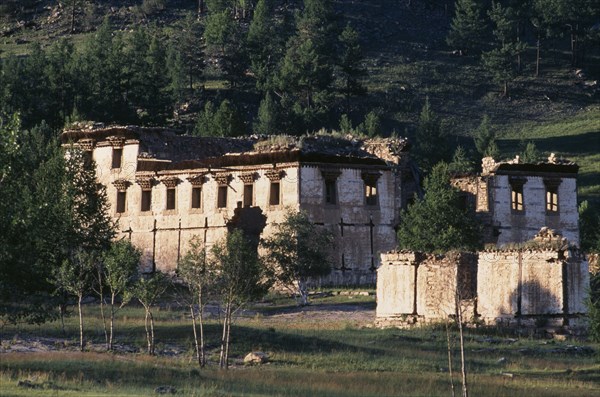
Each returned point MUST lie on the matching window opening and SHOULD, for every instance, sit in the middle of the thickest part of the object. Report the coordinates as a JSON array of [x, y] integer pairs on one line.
[[516, 194], [371, 192], [330, 191], [117, 157], [171, 198], [146, 200], [196, 197], [222, 197], [274, 193], [248, 195], [121, 200]]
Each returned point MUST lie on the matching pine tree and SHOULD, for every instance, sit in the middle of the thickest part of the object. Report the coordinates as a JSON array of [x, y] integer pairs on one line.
[[267, 121], [437, 223], [468, 27], [264, 44], [227, 120], [430, 146], [485, 139], [460, 164], [350, 65], [306, 74], [189, 50], [205, 124]]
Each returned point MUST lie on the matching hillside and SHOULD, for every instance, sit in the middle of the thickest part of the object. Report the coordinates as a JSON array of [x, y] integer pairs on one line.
[[407, 60]]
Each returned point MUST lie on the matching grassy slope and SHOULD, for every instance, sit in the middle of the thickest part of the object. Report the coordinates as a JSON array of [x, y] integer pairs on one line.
[[308, 358], [407, 60]]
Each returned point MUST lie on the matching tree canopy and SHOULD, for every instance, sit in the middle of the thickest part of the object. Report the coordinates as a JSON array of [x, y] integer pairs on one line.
[[437, 223]]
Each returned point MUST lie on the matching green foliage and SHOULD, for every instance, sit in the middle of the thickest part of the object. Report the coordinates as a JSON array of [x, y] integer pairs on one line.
[[197, 272], [485, 139], [437, 223], [225, 121], [468, 27], [371, 126], [589, 227], [461, 164], [346, 124], [350, 65], [241, 273], [265, 44], [188, 48], [305, 77], [298, 251], [268, 119], [430, 141], [529, 154], [120, 265]]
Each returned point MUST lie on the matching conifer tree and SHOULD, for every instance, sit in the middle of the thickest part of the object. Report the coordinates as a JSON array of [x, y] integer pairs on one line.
[[485, 139], [430, 147], [267, 121], [306, 74], [350, 65], [189, 50], [468, 26], [264, 44], [437, 223]]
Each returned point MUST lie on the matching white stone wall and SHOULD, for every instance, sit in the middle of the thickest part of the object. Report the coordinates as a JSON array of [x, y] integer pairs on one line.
[[361, 231], [513, 287], [515, 227]]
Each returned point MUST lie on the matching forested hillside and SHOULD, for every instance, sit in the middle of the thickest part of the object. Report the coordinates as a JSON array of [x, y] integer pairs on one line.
[[430, 70]]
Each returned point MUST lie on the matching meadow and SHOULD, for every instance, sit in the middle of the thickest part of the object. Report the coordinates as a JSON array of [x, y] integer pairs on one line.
[[327, 349]]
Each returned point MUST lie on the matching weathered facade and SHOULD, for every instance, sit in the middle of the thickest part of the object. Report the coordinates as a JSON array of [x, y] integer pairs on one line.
[[541, 284], [515, 200], [164, 188]]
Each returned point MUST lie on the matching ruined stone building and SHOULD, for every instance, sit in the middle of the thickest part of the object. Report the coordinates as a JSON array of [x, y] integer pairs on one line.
[[164, 188], [515, 200], [531, 272]]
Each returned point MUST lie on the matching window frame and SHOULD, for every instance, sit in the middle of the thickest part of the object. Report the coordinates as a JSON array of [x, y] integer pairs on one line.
[[517, 195], [121, 204], [196, 198], [171, 199], [222, 196], [117, 160], [146, 200], [275, 199], [248, 195]]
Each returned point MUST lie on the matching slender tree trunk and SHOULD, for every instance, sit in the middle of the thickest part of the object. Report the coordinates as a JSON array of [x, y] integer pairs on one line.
[[450, 360], [228, 336], [200, 7], [196, 345], [102, 315], [201, 321], [465, 390], [112, 321], [152, 334], [303, 292], [148, 340], [79, 299], [537, 57], [505, 89], [223, 338], [73, 6], [62, 311]]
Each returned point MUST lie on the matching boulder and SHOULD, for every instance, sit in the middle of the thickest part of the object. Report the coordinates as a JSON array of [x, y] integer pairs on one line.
[[256, 358]]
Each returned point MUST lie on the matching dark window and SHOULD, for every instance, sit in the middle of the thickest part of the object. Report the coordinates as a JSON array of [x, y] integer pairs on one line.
[[516, 194], [248, 193], [146, 200], [171, 198], [552, 199], [330, 191], [196, 197], [371, 193], [117, 157], [222, 197], [121, 200], [274, 194]]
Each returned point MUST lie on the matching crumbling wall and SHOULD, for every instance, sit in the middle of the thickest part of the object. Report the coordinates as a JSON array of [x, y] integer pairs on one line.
[[520, 287], [420, 288]]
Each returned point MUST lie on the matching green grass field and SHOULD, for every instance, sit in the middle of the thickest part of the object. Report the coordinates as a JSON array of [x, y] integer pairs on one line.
[[309, 356]]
